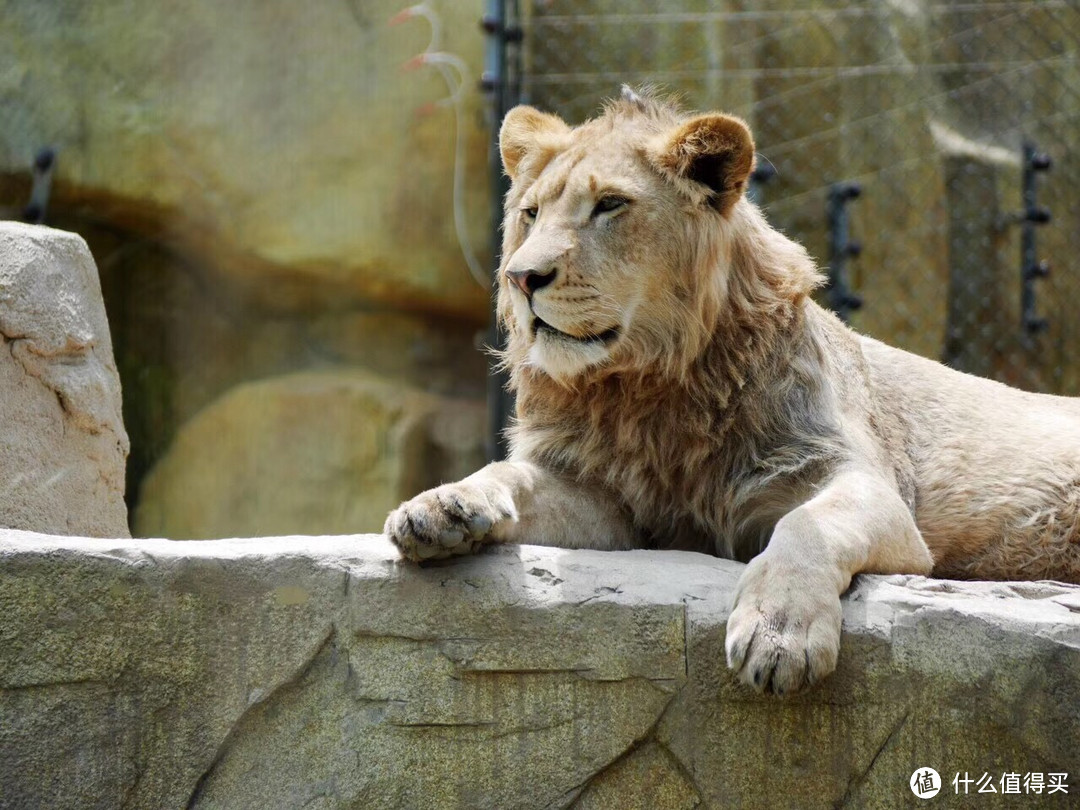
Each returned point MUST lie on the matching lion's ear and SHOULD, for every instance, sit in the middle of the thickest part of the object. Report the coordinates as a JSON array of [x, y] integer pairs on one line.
[[714, 150], [525, 129]]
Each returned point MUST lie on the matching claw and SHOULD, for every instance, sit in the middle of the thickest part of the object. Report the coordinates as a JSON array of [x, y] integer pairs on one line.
[[736, 653], [479, 525], [412, 527], [426, 551], [451, 537]]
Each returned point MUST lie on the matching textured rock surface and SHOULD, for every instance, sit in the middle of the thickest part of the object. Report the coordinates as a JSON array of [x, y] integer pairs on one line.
[[330, 452], [261, 195], [180, 345], [277, 142], [318, 672], [62, 440]]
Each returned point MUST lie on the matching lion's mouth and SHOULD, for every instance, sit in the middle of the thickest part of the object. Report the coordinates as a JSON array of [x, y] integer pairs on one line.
[[607, 336]]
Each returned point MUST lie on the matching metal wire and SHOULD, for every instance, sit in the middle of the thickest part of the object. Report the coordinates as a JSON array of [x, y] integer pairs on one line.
[[926, 105], [651, 18]]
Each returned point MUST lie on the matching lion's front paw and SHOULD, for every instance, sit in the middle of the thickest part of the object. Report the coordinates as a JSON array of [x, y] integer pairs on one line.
[[784, 631], [450, 520]]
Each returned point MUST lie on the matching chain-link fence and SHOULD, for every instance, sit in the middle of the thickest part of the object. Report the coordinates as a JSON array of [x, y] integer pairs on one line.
[[965, 248]]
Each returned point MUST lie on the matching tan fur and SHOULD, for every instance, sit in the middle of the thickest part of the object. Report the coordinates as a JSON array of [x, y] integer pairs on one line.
[[677, 387]]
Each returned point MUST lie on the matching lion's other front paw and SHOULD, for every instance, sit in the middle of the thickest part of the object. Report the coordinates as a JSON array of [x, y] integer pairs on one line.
[[447, 521], [784, 631]]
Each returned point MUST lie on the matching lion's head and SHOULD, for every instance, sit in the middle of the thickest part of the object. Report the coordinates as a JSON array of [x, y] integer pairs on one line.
[[619, 246]]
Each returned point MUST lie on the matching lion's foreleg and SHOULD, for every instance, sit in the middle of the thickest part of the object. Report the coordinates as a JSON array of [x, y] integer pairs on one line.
[[784, 629], [507, 502]]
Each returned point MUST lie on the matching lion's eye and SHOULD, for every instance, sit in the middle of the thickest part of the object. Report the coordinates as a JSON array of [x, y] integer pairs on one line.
[[530, 213], [608, 204]]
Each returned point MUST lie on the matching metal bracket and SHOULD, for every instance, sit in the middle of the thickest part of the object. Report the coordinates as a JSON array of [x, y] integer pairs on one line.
[[839, 295], [758, 178], [44, 166], [500, 25], [1032, 217]]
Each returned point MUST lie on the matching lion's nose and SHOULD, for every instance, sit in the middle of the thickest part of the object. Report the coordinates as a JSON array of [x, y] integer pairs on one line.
[[531, 280]]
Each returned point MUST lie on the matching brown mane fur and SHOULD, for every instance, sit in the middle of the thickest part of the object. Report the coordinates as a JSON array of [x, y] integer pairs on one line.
[[702, 416]]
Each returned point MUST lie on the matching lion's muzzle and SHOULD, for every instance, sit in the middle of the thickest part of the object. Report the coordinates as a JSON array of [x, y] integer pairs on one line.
[[530, 279]]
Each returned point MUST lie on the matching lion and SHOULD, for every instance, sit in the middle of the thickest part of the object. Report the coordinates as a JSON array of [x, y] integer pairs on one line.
[[678, 387]]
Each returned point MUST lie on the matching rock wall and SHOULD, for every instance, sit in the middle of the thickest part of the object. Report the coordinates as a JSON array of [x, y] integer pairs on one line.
[[279, 143], [266, 193], [320, 672], [318, 451], [62, 441]]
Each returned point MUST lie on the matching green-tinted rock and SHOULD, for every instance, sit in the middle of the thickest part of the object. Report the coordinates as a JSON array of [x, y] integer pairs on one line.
[[322, 452], [647, 778], [278, 143]]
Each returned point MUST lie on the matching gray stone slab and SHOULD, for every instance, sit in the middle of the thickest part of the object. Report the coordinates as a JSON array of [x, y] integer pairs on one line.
[[319, 672]]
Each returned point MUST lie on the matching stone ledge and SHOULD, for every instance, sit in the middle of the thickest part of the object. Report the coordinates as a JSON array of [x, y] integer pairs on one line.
[[318, 672]]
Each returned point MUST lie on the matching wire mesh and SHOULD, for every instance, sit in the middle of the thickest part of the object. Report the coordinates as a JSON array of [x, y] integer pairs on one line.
[[927, 106]]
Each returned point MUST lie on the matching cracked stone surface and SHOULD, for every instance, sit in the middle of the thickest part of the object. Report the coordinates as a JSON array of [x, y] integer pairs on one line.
[[63, 446], [319, 672]]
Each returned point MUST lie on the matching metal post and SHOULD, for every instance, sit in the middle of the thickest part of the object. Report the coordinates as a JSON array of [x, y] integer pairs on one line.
[[839, 295], [501, 80], [1032, 216], [44, 166], [758, 178]]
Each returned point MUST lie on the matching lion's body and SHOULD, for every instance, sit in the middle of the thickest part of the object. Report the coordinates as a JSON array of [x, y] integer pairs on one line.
[[996, 471], [711, 459], [678, 387], [991, 474]]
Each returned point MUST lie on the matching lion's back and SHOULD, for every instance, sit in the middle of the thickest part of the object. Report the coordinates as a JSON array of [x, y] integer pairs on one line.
[[997, 470]]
